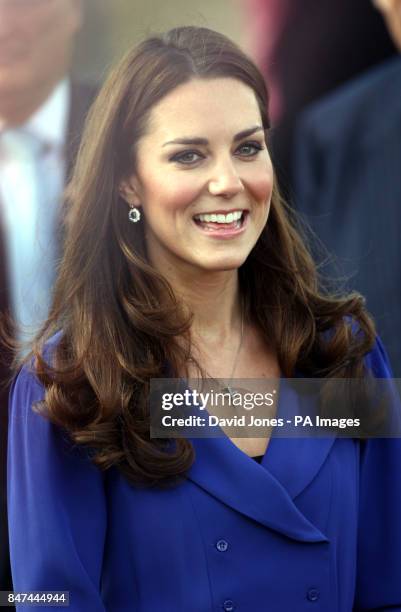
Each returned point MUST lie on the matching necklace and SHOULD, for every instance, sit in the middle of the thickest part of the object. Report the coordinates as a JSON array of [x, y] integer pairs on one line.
[[228, 388]]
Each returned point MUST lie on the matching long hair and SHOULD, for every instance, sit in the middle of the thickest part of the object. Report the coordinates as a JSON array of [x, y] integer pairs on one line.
[[119, 320]]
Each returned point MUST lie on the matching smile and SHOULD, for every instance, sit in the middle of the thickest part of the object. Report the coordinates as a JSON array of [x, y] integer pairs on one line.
[[221, 224]]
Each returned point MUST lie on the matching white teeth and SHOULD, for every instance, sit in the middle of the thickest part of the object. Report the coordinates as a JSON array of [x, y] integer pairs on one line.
[[220, 218]]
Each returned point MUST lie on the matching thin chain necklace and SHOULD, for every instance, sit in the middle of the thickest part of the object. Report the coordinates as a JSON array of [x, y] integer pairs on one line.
[[229, 389]]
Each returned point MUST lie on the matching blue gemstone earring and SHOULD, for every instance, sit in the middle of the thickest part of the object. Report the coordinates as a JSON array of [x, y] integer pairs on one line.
[[134, 214]]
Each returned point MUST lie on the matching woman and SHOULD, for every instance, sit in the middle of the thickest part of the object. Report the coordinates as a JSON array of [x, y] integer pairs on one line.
[[180, 259]]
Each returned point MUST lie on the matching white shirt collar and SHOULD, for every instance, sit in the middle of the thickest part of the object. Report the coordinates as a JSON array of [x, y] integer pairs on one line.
[[49, 122]]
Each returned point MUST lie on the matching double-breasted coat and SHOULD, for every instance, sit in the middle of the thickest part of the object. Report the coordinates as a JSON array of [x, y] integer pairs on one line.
[[315, 526]]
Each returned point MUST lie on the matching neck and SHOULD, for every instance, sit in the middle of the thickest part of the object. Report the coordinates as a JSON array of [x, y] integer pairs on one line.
[[214, 300], [17, 107]]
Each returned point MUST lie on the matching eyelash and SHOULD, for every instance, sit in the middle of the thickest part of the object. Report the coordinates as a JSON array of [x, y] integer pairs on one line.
[[179, 156]]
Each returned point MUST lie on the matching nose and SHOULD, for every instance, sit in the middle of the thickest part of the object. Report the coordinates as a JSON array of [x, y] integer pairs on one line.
[[225, 181]]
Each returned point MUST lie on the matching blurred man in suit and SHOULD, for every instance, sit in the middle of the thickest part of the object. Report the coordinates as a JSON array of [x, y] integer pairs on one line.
[[348, 183], [307, 48], [41, 117]]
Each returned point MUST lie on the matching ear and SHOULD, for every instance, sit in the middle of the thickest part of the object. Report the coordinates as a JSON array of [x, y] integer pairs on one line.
[[129, 191]]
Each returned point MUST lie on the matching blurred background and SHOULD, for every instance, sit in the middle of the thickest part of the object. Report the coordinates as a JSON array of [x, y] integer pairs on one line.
[[333, 71], [305, 48], [112, 27]]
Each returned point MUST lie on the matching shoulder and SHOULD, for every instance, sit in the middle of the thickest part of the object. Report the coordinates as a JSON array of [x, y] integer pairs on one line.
[[354, 103], [377, 361], [26, 388], [31, 431]]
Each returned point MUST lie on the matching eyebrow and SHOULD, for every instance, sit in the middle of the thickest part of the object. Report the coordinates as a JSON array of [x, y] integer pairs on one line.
[[203, 141]]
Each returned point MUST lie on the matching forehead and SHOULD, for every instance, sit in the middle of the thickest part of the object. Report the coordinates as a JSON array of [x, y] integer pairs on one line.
[[200, 106]]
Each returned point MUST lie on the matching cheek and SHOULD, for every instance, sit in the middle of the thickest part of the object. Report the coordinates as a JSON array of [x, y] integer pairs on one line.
[[261, 185], [170, 195]]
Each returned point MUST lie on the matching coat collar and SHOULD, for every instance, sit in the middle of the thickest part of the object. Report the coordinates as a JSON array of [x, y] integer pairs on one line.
[[264, 492]]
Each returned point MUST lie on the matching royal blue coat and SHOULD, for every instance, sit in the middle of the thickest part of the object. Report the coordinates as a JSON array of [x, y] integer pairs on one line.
[[315, 527]]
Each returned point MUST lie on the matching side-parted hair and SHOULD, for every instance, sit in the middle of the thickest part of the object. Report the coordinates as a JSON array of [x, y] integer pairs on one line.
[[120, 322]]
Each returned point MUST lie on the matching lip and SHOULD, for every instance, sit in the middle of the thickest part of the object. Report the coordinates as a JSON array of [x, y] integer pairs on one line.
[[225, 234]]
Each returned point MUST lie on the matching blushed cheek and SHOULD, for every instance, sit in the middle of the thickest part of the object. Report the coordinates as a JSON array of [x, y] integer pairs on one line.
[[174, 196], [262, 187]]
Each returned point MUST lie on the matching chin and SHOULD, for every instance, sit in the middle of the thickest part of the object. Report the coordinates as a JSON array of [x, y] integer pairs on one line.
[[225, 264]]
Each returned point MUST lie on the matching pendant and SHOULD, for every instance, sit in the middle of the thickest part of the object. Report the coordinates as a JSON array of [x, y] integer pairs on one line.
[[229, 390]]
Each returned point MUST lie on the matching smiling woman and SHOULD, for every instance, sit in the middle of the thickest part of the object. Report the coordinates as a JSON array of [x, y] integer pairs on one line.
[[181, 259], [190, 185]]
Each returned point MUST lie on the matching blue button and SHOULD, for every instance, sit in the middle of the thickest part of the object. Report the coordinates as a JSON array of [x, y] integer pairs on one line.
[[313, 595], [228, 605], [222, 545]]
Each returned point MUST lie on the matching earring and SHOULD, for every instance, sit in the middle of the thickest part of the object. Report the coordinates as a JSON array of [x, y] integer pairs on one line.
[[134, 214]]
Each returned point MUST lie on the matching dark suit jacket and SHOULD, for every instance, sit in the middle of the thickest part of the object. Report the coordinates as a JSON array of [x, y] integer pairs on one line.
[[81, 97], [322, 45], [348, 183]]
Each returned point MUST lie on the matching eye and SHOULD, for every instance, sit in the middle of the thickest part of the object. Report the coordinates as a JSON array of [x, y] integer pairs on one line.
[[187, 157], [250, 149]]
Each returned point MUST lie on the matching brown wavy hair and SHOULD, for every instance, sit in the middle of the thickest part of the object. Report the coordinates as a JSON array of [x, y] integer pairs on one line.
[[119, 319]]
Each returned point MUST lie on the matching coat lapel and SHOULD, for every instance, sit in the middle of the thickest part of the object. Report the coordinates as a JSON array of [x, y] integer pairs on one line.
[[296, 460], [265, 492]]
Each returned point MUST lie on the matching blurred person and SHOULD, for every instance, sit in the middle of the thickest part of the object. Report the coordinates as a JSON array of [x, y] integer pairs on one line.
[[41, 117], [348, 184], [391, 10], [306, 48], [180, 260]]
